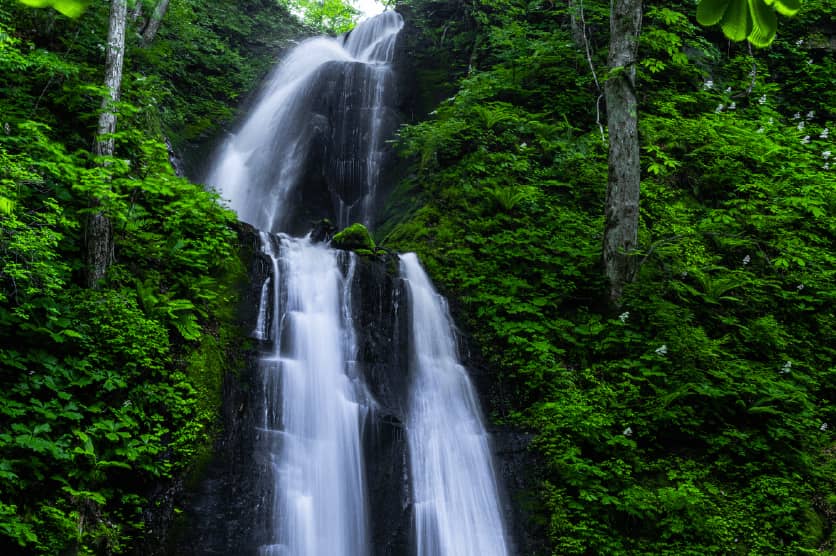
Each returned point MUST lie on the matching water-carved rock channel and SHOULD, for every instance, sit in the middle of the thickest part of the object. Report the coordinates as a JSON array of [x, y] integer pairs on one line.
[[359, 430]]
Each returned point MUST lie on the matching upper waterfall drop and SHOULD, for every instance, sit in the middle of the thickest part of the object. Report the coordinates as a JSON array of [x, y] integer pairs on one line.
[[322, 118]]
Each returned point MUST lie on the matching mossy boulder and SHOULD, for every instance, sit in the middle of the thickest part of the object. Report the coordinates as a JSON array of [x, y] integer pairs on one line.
[[355, 238]]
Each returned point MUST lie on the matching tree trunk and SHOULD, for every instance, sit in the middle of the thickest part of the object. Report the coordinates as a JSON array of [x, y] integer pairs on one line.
[[576, 22], [99, 229], [624, 172], [154, 23], [136, 13]]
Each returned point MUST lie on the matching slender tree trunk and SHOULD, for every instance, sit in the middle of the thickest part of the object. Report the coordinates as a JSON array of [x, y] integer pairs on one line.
[[99, 229], [154, 23], [136, 13], [576, 22], [624, 172]]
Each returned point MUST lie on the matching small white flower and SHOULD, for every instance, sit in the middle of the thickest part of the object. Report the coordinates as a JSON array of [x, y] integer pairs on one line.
[[823, 427], [629, 431], [747, 259], [662, 350], [800, 126], [796, 116], [685, 274], [824, 133], [624, 316], [799, 287], [732, 106], [762, 100], [708, 84], [770, 121], [799, 42], [810, 62], [760, 130], [825, 155], [786, 368], [811, 114], [728, 90], [523, 145], [806, 140], [7, 128], [719, 108], [826, 166]]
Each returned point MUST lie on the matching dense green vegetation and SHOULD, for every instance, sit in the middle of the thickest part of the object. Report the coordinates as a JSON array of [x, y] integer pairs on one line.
[[698, 418], [108, 396]]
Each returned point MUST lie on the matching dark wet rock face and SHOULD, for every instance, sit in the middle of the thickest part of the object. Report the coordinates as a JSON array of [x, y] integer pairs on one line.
[[351, 112], [382, 356]]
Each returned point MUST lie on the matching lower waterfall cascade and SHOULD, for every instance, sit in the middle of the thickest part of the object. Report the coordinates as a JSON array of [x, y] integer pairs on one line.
[[318, 412], [456, 505]]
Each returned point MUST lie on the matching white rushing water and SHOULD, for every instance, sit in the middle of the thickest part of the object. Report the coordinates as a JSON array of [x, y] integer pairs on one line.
[[314, 409], [457, 509], [258, 168]]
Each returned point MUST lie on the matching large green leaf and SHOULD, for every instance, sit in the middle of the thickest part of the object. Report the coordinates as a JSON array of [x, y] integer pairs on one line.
[[710, 12], [6, 205], [737, 23], [787, 7], [70, 8], [764, 23]]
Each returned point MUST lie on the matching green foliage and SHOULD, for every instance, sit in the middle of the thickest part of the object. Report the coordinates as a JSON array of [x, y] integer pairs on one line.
[[108, 396], [698, 421], [326, 16]]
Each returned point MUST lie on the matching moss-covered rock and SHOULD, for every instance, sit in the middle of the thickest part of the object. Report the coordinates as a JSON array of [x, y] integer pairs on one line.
[[355, 238]]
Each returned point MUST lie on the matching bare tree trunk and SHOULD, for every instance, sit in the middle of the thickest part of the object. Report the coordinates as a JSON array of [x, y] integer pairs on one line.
[[624, 172], [99, 229], [154, 23], [576, 22], [136, 13]]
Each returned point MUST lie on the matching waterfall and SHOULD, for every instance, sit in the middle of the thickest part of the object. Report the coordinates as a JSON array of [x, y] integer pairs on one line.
[[313, 409], [313, 147], [323, 115], [456, 504]]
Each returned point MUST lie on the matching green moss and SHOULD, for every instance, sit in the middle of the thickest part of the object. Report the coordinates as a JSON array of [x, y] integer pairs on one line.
[[355, 237]]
